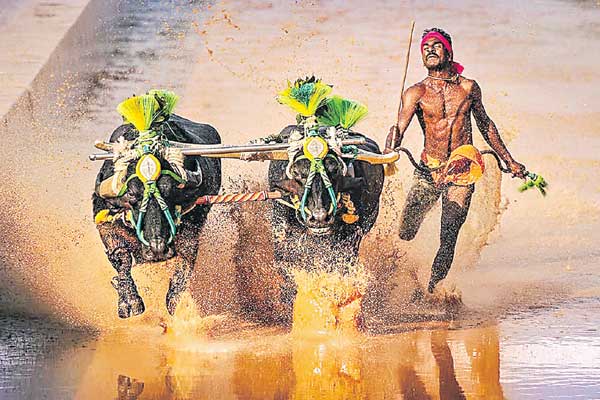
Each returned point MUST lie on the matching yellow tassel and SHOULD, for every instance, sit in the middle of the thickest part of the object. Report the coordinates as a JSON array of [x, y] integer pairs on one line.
[[129, 217], [102, 216], [139, 111], [390, 169]]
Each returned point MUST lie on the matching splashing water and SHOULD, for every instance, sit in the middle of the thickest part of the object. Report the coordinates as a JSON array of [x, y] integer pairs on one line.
[[328, 303], [502, 264], [187, 326]]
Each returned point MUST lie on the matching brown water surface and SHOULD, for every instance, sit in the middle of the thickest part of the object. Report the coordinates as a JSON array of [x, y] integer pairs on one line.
[[509, 359]]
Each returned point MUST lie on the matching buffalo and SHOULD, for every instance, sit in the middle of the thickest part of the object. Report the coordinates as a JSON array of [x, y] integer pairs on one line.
[[154, 218], [332, 208]]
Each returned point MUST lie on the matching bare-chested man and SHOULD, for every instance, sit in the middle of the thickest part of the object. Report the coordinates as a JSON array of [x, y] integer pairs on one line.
[[443, 103]]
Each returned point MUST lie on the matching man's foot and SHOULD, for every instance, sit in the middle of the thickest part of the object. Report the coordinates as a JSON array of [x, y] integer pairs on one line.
[[431, 286], [130, 303], [450, 300]]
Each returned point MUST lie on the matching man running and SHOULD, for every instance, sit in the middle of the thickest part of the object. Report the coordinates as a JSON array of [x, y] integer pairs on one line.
[[443, 103]]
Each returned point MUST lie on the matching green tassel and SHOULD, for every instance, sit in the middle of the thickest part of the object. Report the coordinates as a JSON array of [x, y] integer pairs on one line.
[[166, 98], [342, 112], [534, 181]]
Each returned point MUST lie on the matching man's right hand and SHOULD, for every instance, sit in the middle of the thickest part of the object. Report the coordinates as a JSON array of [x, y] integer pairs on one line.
[[517, 169], [390, 140]]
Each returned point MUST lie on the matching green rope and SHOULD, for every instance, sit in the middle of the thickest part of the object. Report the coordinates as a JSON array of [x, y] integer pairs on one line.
[[151, 190], [317, 167], [173, 175], [148, 142]]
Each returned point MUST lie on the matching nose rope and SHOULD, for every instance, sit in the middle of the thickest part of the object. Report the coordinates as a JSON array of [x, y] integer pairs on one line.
[[317, 167], [151, 190]]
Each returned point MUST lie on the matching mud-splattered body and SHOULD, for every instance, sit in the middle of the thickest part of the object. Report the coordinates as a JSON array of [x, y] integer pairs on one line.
[[124, 249]]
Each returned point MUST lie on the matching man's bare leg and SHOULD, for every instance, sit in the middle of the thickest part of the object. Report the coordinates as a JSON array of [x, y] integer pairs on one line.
[[422, 196], [455, 207]]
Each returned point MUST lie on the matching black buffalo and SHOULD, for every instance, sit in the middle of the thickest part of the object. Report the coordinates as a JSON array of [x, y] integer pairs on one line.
[[121, 243], [324, 239]]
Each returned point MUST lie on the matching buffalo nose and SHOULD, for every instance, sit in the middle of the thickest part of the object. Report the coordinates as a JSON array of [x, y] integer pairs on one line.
[[319, 215], [157, 246]]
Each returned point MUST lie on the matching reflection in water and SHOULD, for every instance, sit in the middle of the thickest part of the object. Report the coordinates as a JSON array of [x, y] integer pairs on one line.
[[129, 389], [434, 364], [327, 370], [443, 357]]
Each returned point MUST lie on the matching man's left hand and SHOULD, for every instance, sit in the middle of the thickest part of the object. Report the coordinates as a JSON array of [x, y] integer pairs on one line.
[[517, 170]]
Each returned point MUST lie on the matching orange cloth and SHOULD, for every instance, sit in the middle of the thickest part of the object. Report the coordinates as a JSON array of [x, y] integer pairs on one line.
[[464, 166]]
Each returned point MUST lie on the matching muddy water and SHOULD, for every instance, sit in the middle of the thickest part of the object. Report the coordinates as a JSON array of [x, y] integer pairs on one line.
[[527, 267], [529, 355]]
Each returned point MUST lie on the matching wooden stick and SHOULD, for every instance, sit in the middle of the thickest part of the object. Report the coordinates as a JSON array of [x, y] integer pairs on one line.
[[412, 29], [231, 151], [390, 169]]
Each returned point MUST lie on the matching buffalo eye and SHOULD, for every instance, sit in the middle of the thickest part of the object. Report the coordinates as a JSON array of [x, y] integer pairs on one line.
[[165, 185], [331, 166], [300, 170], [130, 199], [134, 193]]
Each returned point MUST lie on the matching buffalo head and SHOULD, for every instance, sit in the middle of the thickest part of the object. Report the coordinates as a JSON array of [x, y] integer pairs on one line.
[[316, 178], [152, 196]]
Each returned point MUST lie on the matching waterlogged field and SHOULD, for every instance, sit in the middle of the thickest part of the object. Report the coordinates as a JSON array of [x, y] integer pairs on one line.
[[526, 267]]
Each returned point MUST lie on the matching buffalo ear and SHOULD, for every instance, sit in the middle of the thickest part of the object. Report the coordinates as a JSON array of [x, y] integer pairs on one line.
[[287, 185], [350, 183]]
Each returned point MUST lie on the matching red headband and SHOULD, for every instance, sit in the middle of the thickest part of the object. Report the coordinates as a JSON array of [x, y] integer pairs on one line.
[[433, 34]]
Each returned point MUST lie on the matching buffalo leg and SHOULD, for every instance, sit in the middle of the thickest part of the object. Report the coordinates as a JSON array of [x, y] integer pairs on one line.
[[186, 244], [118, 251], [179, 284]]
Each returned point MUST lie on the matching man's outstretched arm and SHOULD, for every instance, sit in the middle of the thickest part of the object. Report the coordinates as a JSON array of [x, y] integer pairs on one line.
[[490, 133], [410, 98]]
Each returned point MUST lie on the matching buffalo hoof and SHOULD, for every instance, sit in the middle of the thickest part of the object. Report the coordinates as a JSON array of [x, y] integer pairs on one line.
[[172, 301], [131, 306], [130, 303]]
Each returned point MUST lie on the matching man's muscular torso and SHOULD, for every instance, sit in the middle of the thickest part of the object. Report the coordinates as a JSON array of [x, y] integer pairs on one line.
[[444, 112], [444, 109]]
